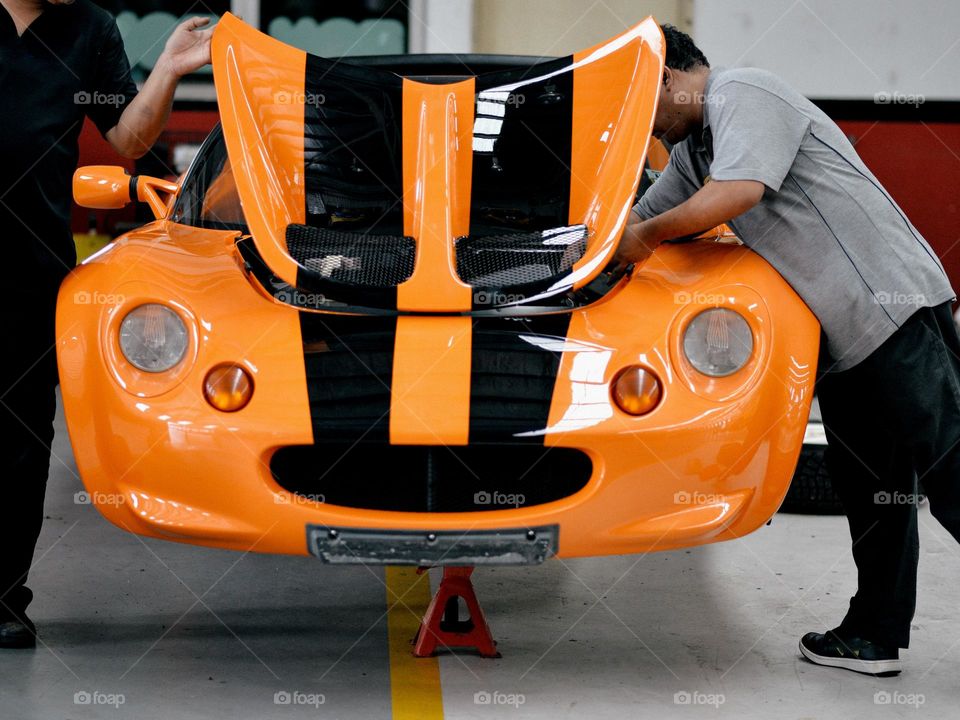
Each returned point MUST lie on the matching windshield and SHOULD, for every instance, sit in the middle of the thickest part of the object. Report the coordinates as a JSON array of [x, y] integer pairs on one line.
[[208, 197]]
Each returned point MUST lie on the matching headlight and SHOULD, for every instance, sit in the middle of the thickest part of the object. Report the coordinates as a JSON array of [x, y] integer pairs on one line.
[[153, 338], [718, 342]]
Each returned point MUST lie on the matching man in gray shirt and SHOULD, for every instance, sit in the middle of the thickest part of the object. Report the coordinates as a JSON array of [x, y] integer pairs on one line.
[[752, 152]]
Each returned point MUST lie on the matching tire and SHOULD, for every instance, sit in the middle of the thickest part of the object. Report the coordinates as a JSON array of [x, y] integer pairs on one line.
[[811, 492]]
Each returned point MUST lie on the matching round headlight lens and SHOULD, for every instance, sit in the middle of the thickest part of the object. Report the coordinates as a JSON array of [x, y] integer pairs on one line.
[[718, 342], [153, 338]]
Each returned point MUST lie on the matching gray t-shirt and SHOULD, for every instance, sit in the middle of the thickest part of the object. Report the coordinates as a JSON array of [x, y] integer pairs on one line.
[[824, 222]]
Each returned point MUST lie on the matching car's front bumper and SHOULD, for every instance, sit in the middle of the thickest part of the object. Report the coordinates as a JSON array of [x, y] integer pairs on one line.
[[711, 462]]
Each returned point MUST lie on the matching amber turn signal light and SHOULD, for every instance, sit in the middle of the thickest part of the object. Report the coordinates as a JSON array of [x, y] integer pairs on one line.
[[228, 387], [636, 390]]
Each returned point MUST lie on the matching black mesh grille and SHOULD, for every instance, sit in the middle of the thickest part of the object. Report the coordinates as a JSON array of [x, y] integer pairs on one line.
[[517, 259], [376, 261]]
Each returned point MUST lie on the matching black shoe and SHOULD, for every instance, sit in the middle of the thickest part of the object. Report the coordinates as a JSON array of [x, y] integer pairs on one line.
[[18, 633], [851, 653]]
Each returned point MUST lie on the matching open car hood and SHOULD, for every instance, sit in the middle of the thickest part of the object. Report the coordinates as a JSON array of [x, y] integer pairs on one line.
[[385, 192]]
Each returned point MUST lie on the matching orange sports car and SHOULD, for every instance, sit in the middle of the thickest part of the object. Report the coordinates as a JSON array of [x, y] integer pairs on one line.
[[377, 321]]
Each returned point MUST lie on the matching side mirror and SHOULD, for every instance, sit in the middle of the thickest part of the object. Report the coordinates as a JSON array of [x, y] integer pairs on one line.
[[107, 187]]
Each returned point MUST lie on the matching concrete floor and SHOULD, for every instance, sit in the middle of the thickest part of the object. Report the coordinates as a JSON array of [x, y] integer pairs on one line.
[[181, 632]]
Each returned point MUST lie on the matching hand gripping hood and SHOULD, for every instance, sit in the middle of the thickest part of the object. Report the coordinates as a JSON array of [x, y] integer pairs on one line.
[[386, 192]]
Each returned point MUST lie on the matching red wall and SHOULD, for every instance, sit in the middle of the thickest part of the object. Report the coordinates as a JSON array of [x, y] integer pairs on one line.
[[919, 164], [183, 126]]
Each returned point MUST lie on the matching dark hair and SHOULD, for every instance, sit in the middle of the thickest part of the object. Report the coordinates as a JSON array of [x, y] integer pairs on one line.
[[682, 54]]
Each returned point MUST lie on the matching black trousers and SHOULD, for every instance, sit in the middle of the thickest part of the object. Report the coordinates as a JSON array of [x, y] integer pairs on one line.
[[27, 407], [891, 420]]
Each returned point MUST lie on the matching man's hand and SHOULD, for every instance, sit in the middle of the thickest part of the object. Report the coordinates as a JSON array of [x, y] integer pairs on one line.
[[634, 248], [187, 48], [713, 204]]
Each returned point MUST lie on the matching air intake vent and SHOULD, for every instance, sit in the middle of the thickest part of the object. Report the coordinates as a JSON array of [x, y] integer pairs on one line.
[[406, 478], [512, 260], [372, 261]]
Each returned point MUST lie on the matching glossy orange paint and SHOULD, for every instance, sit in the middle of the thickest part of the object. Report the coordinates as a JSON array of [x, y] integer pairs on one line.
[[102, 187], [260, 92], [437, 163], [156, 193], [616, 86], [430, 396], [711, 462]]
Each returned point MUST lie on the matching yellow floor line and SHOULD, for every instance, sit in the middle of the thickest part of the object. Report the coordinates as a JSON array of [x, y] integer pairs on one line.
[[414, 682]]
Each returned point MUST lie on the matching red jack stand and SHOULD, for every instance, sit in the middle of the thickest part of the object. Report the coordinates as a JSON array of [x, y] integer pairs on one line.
[[442, 625]]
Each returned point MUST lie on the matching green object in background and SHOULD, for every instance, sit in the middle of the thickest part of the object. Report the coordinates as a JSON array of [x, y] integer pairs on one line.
[[144, 37], [89, 243], [337, 37]]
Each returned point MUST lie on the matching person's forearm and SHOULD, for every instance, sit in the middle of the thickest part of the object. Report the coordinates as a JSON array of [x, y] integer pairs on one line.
[[713, 204], [186, 50], [144, 118]]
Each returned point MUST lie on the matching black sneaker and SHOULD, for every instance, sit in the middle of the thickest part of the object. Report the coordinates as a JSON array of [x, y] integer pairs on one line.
[[851, 653], [17, 633]]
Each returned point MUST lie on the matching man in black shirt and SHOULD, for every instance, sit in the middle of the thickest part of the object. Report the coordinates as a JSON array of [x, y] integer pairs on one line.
[[60, 60]]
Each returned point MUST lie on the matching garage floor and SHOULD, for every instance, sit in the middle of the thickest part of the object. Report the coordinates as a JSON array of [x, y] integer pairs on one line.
[[146, 629]]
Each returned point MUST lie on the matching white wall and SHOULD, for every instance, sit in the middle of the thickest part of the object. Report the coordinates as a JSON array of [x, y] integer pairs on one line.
[[561, 27], [839, 48], [441, 26]]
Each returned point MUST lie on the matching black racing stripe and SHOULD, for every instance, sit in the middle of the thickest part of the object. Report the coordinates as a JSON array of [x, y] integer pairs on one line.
[[353, 147], [521, 167], [512, 377], [349, 369], [353, 161], [522, 151]]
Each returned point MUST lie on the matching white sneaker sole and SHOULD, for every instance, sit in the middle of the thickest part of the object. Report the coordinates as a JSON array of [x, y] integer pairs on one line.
[[867, 667]]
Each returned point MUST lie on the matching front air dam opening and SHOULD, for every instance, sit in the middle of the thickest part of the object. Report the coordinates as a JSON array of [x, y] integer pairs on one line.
[[427, 478]]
